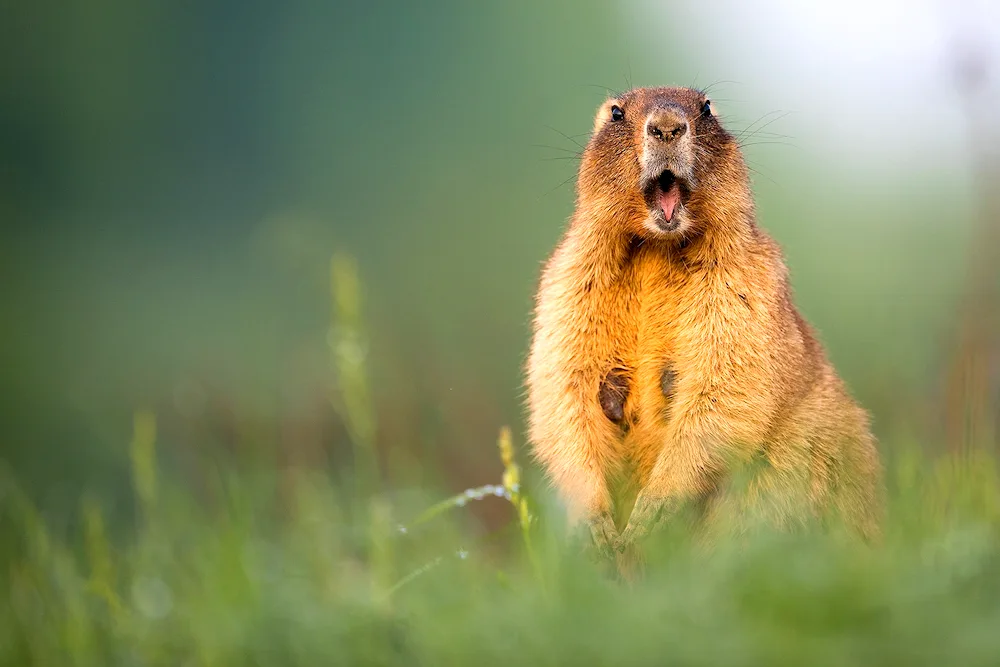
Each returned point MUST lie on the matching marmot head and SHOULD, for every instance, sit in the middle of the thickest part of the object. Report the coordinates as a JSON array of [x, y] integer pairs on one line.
[[660, 162]]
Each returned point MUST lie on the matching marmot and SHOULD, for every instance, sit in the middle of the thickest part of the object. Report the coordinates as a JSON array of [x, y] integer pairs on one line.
[[666, 344]]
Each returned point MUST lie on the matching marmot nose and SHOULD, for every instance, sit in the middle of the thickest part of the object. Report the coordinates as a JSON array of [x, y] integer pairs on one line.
[[666, 125]]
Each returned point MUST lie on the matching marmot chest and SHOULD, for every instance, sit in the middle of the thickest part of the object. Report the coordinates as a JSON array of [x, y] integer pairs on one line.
[[658, 291], [657, 294], [684, 321]]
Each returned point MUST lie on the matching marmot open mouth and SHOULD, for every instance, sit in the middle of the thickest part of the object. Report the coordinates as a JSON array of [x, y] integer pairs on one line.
[[666, 193]]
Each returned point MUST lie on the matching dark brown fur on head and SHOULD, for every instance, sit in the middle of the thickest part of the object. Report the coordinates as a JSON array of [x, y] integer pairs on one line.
[[650, 139]]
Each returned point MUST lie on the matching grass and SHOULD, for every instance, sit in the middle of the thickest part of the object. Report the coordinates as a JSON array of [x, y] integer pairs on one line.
[[317, 571]]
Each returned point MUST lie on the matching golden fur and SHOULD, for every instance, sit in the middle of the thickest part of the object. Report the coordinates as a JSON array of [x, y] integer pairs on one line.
[[714, 362]]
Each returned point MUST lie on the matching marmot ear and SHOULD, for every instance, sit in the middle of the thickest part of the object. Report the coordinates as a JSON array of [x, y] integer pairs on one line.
[[604, 114]]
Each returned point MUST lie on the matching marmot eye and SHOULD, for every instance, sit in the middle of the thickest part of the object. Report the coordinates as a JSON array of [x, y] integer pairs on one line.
[[616, 113], [706, 108]]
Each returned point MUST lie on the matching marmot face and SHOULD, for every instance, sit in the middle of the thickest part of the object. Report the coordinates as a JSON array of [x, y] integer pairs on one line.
[[651, 159]]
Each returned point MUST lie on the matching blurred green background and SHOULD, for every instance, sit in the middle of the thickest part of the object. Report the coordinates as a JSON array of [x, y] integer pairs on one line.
[[174, 178], [192, 393]]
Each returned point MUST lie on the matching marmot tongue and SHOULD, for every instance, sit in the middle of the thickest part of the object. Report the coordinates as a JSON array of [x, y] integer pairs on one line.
[[668, 200]]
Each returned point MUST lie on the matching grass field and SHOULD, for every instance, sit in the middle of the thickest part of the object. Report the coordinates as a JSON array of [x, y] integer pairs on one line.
[[327, 581]]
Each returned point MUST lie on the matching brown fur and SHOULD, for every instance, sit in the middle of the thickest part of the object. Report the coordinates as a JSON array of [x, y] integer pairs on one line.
[[695, 334]]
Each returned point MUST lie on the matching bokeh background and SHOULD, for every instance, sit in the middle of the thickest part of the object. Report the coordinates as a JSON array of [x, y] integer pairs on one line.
[[175, 177]]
